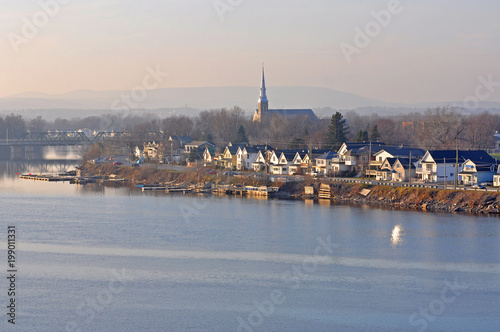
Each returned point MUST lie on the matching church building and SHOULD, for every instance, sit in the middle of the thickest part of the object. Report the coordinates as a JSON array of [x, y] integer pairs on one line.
[[263, 110]]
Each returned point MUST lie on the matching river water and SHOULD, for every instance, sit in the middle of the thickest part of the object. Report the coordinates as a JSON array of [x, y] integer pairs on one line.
[[94, 258]]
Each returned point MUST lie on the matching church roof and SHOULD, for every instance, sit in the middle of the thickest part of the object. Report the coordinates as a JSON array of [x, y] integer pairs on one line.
[[294, 112], [283, 112]]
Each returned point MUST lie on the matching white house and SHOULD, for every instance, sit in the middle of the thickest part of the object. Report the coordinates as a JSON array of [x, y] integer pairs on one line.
[[300, 163], [434, 165], [324, 163], [196, 145], [474, 173], [397, 152], [438, 165], [496, 178], [209, 155], [259, 164], [385, 171], [279, 163]]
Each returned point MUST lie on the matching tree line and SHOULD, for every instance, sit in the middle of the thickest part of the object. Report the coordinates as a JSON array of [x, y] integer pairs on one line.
[[436, 128]]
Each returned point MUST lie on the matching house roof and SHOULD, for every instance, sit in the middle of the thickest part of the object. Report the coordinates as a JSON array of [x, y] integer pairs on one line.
[[390, 160], [182, 139], [196, 143], [210, 149], [405, 162], [251, 149], [477, 156], [356, 145], [484, 168], [365, 149], [289, 154], [398, 151], [233, 149], [318, 152], [327, 155]]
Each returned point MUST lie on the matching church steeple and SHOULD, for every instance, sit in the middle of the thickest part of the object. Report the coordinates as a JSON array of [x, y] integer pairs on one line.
[[263, 96], [263, 104]]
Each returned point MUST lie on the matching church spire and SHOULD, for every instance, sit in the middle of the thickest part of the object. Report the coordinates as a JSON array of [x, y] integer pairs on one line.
[[263, 96], [263, 105]]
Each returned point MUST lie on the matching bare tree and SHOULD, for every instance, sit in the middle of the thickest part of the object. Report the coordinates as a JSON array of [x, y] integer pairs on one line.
[[443, 128], [38, 124], [177, 125], [479, 130], [15, 124]]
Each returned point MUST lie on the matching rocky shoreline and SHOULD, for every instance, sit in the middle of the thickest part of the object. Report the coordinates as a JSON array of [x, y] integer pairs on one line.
[[419, 199]]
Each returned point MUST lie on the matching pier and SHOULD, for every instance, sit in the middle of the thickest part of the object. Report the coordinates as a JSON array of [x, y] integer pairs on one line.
[[70, 178]]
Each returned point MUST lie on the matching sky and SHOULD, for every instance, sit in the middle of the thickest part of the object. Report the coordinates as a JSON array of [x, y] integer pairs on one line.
[[417, 51]]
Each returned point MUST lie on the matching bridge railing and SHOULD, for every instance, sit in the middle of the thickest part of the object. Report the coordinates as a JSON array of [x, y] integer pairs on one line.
[[65, 137]]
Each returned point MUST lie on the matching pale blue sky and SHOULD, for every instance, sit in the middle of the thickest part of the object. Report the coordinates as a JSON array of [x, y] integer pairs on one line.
[[431, 51]]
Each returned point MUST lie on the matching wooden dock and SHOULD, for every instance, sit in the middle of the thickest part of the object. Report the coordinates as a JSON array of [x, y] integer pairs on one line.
[[168, 189], [71, 179], [46, 178], [325, 191]]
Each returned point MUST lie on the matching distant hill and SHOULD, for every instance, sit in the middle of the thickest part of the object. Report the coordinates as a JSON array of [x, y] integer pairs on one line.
[[190, 101], [201, 98]]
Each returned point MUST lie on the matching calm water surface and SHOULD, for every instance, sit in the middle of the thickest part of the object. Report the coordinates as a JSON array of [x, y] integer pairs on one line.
[[95, 258]]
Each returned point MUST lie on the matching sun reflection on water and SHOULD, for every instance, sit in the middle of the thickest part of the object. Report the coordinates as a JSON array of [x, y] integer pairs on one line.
[[397, 235]]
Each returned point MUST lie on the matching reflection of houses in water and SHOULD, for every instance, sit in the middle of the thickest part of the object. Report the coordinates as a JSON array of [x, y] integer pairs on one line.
[[10, 168]]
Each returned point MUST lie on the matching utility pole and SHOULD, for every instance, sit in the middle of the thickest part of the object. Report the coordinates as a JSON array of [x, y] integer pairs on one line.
[[456, 169], [409, 170], [171, 152], [444, 159], [370, 161]]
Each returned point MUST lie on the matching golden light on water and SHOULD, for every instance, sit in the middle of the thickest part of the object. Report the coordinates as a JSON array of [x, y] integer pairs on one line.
[[397, 235]]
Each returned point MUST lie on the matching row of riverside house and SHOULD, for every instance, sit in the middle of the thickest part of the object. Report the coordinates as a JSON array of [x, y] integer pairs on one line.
[[263, 158], [386, 162]]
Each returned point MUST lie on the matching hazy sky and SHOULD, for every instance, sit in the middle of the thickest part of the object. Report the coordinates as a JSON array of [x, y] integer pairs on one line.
[[429, 51]]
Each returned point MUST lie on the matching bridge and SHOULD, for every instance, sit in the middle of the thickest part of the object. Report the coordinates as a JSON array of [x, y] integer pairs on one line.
[[31, 145], [61, 138]]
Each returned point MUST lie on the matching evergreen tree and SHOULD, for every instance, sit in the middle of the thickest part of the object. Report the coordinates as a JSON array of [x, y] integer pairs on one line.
[[242, 136], [365, 137], [337, 131], [374, 134], [359, 137], [193, 155], [209, 138]]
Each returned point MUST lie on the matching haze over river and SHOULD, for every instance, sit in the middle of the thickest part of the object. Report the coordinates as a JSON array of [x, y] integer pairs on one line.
[[94, 258]]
